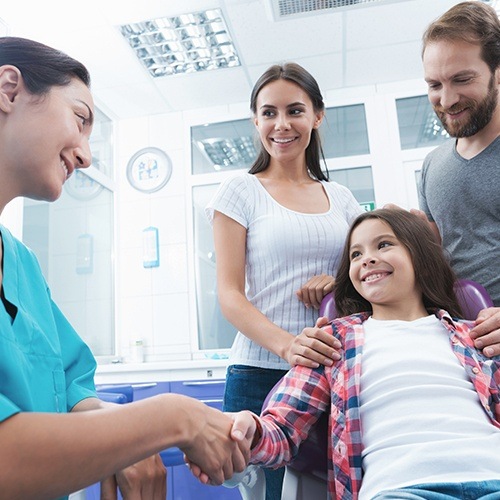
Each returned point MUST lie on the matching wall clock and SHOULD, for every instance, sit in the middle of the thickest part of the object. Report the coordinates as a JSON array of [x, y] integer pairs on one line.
[[149, 169]]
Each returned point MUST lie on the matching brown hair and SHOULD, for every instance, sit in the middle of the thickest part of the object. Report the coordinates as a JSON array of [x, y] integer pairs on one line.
[[294, 73], [472, 22], [433, 273]]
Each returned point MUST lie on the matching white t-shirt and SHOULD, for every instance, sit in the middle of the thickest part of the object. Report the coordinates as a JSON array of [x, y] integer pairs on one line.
[[421, 419], [284, 250]]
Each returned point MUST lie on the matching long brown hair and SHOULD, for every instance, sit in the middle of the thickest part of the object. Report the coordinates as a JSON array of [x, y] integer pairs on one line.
[[294, 73], [433, 273], [471, 22]]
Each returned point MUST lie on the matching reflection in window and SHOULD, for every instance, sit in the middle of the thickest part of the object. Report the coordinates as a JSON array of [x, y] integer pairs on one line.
[[419, 127], [73, 241], [214, 331], [234, 145], [343, 131], [223, 146]]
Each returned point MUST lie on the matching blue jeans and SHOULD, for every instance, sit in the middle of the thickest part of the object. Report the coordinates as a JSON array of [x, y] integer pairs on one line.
[[472, 490], [246, 389]]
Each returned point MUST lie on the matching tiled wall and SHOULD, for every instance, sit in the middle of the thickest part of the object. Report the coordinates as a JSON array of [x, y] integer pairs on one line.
[[157, 304], [153, 303]]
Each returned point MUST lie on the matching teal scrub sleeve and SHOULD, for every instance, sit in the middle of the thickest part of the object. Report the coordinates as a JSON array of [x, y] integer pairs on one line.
[[78, 361], [7, 408]]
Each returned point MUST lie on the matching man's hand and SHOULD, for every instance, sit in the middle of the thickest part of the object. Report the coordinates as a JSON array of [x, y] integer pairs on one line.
[[312, 292], [486, 333], [313, 346], [145, 480]]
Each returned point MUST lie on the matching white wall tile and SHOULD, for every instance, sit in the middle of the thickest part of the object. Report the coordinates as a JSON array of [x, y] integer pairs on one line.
[[171, 319]]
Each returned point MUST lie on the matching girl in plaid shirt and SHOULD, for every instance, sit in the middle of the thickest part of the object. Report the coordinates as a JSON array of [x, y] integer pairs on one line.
[[414, 406]]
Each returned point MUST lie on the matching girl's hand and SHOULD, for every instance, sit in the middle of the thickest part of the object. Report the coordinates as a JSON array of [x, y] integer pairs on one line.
[[312, 293], [313, 347], [486, 333]]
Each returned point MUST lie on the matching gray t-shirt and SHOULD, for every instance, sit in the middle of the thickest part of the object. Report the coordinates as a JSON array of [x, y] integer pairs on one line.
[[463, 198]]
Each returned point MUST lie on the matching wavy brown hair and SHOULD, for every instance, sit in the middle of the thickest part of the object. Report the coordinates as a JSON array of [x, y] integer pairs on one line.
[[471, 22], [294, 73], [433, 273]]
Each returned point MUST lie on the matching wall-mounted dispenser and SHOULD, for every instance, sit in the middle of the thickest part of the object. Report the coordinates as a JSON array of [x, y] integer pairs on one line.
[[85, 254], [150, 248]]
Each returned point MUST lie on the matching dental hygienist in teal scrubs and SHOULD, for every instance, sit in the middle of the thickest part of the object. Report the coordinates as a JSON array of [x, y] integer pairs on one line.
[[56, 436], [45, 366]]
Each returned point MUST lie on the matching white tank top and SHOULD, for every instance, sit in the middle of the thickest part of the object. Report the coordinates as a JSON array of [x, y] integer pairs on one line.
[[285, 249]]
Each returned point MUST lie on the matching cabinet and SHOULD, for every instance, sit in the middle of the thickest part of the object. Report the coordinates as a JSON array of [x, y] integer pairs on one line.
[[181, 485]]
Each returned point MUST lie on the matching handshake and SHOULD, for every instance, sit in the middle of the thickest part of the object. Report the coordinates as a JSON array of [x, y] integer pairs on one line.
[[218, 444]]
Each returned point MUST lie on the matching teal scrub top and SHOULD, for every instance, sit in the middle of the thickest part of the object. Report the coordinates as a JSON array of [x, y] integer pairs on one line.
[[44, 365]]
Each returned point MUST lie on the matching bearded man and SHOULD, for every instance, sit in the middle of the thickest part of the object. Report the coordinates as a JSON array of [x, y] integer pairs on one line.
[[460, 184]]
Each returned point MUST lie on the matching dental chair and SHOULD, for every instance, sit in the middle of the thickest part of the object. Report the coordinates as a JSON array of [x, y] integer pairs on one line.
[[306, 477]]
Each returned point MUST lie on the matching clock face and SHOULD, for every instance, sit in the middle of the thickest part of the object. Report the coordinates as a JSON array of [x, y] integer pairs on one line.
[[149, 170]]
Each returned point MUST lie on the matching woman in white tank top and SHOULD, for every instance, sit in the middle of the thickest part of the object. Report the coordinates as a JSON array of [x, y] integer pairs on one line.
[[278, 232]]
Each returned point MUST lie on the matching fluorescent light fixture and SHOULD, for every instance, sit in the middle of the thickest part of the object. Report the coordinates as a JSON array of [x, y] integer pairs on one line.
[[182, 44]]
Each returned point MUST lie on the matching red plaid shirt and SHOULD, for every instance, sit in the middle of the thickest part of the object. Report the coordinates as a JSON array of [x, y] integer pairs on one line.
[[304, 394]]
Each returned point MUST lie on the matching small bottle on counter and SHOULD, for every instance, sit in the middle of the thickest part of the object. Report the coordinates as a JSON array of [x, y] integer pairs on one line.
[[137, 351]]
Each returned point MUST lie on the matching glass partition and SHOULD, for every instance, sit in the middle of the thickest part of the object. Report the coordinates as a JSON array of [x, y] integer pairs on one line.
[[73, 241], [232, 145], [344, 131], [360, 181], [214, 331], [222, 146]]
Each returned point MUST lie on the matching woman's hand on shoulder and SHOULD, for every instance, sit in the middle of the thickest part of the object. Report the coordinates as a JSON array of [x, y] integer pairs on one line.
[[486, 333], [313, 347], [312, 292]]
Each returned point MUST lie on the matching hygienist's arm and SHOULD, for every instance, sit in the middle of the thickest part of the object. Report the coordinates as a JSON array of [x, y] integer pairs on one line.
[[143, 480], [311, 348], [44, 456]]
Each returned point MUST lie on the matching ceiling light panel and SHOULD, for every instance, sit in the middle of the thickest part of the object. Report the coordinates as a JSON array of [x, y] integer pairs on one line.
[[182, 44]]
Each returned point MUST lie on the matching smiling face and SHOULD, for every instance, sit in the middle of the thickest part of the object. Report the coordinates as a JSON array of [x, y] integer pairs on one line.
[[462, 89], [381, 271], [44, 139], [285, 118]]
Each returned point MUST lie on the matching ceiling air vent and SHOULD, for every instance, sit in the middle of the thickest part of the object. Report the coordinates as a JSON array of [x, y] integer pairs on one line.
[[288, 9]]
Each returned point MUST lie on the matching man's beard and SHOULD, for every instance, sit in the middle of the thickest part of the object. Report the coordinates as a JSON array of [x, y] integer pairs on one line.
[[480, 113]]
